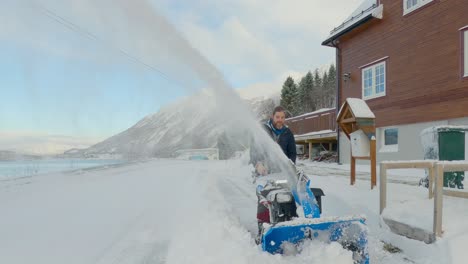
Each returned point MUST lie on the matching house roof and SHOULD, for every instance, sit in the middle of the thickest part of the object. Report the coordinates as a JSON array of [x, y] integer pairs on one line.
[[366, 11], [358, 107], [355, 114]]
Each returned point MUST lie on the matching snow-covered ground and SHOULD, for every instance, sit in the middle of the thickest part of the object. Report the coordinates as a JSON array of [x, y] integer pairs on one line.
[[10, 170], [173, 211]]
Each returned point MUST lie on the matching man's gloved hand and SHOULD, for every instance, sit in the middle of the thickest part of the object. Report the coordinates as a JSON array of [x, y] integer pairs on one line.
[[261, 169]]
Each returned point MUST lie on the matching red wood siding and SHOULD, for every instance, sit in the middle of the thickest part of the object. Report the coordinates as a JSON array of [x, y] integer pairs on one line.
[[423, 66]]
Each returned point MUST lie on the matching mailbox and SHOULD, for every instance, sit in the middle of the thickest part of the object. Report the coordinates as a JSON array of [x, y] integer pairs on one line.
[[360, 144]]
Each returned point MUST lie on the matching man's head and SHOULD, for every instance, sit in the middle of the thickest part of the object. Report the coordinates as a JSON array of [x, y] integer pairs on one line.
[[278, 117]]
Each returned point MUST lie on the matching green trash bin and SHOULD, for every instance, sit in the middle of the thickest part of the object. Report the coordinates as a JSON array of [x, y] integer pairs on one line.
[[452, 147], [446, 143]]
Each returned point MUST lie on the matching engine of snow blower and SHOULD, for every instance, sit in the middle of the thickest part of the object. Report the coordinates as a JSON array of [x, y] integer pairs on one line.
[[279, 202]]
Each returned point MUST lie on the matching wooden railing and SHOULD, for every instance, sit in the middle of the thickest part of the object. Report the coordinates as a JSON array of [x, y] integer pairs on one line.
[[441, 167], [312, 122], [436, 171]]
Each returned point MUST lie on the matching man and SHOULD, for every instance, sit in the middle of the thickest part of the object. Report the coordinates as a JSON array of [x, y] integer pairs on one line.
[[281, 134]]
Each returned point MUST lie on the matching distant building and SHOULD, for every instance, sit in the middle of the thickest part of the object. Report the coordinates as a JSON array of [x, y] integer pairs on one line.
[[315, 131]]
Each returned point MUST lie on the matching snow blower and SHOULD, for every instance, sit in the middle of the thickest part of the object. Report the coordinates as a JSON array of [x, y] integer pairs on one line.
[[285, 225]]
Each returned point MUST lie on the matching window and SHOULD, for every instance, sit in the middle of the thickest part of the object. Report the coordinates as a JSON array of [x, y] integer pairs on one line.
[[373, 81], [391, 136], [465, 52], [389, 140], [411, 5]]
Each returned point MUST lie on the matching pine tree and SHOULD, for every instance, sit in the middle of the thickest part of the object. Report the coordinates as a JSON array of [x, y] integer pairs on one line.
[[315, 91], [331, 90], [324, 91], [289, 95], [318, 88], [296, 105], [301, 97], [310, 90]]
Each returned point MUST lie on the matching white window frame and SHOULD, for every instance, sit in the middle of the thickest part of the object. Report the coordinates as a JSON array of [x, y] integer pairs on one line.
[[419, 4], [465, 52], [373, 87], [388, 148]]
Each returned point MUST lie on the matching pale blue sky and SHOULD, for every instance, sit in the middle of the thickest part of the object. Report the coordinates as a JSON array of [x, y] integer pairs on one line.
[[55, 80]]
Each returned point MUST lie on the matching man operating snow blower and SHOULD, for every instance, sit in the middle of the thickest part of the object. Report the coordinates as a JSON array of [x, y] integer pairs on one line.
[[288, 209], [281, 134]]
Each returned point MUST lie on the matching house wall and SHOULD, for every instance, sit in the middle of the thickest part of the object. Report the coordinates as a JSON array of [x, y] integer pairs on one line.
[[423, 68], [409, 143]]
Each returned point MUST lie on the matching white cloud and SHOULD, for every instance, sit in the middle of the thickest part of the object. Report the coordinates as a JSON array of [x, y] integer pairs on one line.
[[249, 40], [270, 89], [261, 38], [232, 45]]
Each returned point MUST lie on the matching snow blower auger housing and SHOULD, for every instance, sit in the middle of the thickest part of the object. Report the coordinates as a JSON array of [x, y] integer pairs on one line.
[[284, 227]]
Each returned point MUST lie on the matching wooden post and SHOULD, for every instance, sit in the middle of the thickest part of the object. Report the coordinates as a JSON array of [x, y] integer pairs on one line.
[[353, 169], [383, 187], [310, 150], [438, 200], [373, 161], [431, 182]]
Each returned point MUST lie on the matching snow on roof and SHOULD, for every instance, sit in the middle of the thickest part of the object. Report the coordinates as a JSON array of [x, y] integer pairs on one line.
[[359, 108], [366, 9], [311, 113], [328, 131], [365, 5]]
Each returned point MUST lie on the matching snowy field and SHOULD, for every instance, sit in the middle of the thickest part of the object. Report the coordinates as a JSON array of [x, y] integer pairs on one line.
[[173, 211]]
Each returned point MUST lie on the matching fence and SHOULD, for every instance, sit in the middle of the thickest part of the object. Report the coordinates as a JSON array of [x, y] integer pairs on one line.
[[436, 171]]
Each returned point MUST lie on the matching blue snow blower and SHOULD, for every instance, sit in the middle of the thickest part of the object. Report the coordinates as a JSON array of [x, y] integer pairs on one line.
[[286, 228]]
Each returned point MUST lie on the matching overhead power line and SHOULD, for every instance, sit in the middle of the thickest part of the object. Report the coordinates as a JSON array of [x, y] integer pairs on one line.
[[79, 30]]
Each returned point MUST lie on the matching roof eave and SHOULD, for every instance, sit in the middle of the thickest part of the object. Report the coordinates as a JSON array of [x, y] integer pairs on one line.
[[330, 40]]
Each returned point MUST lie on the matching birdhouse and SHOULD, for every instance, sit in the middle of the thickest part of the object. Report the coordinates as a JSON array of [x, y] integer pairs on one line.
[[357, 121]]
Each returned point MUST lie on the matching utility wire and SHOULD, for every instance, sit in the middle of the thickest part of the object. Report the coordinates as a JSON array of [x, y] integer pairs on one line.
[[77, 29]]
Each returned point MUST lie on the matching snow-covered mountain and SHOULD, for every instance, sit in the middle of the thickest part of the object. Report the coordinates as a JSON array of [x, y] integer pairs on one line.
[[160, 134], [194, 122]]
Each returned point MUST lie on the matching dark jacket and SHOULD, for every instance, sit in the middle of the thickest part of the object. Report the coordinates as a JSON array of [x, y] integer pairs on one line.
[[285, 140]]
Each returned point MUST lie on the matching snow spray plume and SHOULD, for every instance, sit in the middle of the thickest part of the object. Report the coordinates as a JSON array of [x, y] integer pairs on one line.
[[229, 110], [226, 110], [135, 30]]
